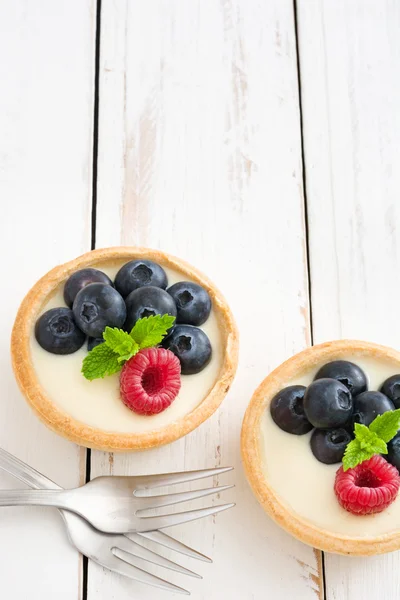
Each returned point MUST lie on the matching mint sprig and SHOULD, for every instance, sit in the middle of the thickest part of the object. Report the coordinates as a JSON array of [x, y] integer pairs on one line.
[[119, 346], [371, 440]]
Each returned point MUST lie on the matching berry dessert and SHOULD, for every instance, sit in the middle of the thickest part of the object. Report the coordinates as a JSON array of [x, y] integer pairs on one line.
[[124, 348], [321, 447]]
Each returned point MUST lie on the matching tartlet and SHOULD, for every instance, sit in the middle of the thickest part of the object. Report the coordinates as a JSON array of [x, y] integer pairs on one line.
[[57, 418], [341, 536]]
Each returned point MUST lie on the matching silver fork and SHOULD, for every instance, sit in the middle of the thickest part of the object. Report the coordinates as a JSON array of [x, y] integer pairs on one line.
[[123, 504], [101, 547]]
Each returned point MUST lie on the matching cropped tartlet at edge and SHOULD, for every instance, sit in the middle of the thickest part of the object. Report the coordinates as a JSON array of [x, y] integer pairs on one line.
[[273, 505], [85, 435]]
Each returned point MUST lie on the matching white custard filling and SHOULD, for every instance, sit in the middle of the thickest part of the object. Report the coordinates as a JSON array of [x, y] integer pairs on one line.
[[305, 484], [97, 403]]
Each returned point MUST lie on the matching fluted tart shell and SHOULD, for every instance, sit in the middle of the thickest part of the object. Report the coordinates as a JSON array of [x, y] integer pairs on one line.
[[63, 423], [274, 506]]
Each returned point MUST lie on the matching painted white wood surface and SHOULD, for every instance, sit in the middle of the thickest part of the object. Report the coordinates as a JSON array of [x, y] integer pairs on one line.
[[46, 73], [199, 155], [350, 64]]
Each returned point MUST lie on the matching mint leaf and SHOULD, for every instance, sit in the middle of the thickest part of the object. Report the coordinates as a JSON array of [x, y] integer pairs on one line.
[[365, 445], [387, 425], [380, 447], [354, 455], [100, 361], [150, 331], [120, 342], [361, 432], [369, 441]]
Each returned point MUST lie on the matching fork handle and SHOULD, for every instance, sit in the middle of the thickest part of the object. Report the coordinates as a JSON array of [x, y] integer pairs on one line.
[[25, 473], [34, 497]]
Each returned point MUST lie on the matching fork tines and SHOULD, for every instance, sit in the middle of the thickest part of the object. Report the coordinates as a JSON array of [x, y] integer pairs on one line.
[[148, 515], [161, 522], [148, 482], [156, 502]]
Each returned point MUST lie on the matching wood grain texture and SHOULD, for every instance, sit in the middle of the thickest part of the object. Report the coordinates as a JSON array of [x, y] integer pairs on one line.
[[45, 189], [199, 155], [349, 64]]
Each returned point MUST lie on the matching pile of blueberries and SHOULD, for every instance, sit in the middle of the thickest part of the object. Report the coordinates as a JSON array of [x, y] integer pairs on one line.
[[140, 290], [336, 400]]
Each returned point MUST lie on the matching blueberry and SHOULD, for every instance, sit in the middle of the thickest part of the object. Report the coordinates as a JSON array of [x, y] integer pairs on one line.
[[349, 426], [347, 373], [328, 445], [97, 306], [148, 301], [192, 302], [139, 273], [80, 279], [57, 332], [93, 342], [369, 405], [391, 389], [393, 455], [191, 345], [327, 403], [287, 410]]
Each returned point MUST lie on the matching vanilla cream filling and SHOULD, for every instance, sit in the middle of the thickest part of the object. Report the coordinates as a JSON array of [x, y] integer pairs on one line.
[[305, 484], [97, 403]]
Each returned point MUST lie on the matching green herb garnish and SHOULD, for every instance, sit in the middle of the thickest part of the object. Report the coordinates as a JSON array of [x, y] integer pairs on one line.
[[119, 346], [371, 440]]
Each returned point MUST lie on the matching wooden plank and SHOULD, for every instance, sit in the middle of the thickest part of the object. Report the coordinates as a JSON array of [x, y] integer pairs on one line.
[[199, 155], [46, 116], [349, 64]]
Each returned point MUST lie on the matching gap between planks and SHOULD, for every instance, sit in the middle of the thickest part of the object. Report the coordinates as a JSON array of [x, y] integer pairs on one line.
[[319, 580], [96, 99]]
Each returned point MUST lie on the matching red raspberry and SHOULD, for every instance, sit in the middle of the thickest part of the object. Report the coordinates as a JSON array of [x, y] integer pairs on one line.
[[150, 381], [368, 488]]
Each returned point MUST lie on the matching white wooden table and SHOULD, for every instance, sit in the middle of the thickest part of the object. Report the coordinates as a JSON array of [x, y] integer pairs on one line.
[[258, 139]]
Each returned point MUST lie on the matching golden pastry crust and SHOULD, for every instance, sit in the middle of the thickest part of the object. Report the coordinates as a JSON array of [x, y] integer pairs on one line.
[[302, 529], [76, 431]]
